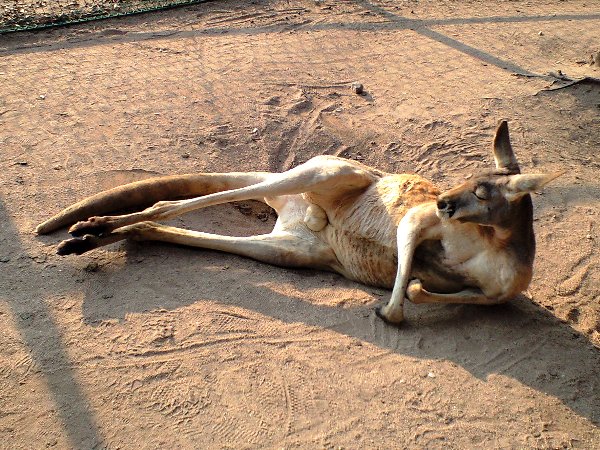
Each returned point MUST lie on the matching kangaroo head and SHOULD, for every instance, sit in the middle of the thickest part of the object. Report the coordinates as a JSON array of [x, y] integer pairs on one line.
[[490, 199]]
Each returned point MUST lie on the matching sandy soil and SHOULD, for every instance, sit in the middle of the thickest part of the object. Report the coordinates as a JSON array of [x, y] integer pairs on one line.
[[153, 346]]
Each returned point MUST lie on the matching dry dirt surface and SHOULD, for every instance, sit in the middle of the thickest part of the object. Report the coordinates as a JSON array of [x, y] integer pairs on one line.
[[146, 346]]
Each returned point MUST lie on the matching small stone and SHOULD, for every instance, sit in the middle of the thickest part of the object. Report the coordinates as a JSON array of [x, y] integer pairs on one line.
[[431, 375], [42, 97], [185, 155], [541, 33], [357, 88]]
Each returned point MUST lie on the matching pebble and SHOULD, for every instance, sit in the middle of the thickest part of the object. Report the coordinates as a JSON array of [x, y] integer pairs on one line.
[[357, 88]]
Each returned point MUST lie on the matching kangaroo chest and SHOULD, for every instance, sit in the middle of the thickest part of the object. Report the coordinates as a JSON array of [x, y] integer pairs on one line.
[[470, 251], [362, 228], [366, 249]]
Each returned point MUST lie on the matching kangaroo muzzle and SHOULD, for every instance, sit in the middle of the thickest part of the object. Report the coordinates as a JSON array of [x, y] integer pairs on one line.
[[445, 208]]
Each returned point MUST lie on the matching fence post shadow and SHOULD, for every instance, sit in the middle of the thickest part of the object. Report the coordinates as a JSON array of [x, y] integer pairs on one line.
[[32, 313]]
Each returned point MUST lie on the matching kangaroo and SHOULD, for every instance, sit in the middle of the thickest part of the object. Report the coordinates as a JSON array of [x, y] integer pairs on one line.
[[471, 244]]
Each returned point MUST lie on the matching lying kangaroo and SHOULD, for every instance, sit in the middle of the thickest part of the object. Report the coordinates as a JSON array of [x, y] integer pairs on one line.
[[471, 244]]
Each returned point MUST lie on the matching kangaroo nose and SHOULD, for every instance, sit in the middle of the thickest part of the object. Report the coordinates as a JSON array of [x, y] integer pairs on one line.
[[442, 204]]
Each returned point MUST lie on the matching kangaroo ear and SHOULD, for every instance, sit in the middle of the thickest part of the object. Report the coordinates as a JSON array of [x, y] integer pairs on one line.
[[519, 185], [503, 152]]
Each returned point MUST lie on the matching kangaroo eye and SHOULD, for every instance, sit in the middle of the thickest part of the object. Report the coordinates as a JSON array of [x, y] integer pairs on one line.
[[481, 193]]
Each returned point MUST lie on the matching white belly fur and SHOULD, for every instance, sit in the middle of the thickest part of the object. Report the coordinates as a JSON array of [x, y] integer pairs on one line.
[[491, 269]]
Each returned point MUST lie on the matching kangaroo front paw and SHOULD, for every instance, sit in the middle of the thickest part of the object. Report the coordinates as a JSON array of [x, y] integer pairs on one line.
[[413, 290], [95, 226], [77, 246], [393, 317]]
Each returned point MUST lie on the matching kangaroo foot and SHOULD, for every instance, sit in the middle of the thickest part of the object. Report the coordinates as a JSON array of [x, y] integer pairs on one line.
[[77, 245], [394, 318], [95, 226]]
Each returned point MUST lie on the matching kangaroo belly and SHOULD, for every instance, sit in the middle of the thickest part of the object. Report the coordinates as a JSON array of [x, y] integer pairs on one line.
[[362, 233], [373, 263], [362, 259]]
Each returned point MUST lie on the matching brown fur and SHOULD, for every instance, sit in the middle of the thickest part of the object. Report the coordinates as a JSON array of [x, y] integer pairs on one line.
[[471, 244]]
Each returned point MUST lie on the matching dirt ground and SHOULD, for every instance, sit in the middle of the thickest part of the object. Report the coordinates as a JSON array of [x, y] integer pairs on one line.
[[154, 346]]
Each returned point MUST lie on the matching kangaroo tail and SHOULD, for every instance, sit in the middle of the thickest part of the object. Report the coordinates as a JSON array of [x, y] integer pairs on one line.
[[147, 192]]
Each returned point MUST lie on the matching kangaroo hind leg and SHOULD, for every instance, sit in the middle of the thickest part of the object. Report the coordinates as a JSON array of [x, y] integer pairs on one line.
[[294, 248], [322, 176]]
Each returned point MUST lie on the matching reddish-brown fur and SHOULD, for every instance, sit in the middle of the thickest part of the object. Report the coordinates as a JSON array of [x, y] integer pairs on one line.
[[471, 244]]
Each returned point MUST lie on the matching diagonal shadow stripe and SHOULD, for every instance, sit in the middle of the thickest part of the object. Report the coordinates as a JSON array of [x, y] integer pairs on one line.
[[394, 22], [422, 27], [474, 52], [48, 353]]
